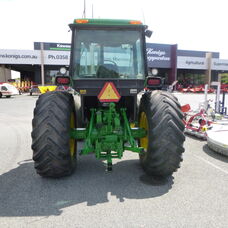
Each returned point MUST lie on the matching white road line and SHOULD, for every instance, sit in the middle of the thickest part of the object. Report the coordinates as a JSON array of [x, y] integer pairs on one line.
[[210, 163]]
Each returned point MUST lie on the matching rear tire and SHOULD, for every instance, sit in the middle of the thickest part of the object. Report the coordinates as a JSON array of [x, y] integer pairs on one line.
[[160, 115], [54, 153]]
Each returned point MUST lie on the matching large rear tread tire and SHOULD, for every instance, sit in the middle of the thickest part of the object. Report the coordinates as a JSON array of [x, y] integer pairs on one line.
[[165, 133], [50, 134]]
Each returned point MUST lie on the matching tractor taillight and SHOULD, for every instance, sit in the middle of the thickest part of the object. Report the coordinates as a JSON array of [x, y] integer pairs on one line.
[[62, 80], [154, 83]]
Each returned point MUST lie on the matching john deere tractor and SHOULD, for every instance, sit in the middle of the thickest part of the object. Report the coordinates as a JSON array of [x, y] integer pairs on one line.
[[116, 107]]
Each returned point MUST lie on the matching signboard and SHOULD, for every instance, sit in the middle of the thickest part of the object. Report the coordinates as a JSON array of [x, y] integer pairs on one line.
[[219, 64], [56, 57], [53, 46], [201, 54], [19, 57], [184, 62], [158, 55], [34, 57]]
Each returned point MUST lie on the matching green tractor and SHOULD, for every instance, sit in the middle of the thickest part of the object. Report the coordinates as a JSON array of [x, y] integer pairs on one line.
[[110, 111]]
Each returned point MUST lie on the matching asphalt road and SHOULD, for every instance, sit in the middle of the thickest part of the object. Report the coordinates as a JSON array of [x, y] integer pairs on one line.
[[195, 196]]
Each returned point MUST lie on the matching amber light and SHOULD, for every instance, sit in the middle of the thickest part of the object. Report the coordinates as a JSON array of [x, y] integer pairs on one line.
[[81, 21], [135, 22]]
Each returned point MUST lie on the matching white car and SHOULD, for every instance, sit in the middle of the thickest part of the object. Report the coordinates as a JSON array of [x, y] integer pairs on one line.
[[8, 90]]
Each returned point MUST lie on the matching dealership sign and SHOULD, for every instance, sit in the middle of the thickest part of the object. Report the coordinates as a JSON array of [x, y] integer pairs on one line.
[[219, 64], [158, 55], [34, 57], [52, 46], [19, 57], [184, 62]]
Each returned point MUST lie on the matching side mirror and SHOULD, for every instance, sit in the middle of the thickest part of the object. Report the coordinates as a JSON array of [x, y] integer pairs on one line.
[[148, 33]]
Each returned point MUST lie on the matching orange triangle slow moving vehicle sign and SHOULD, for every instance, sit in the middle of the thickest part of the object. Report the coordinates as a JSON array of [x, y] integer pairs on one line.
[[109, 93]]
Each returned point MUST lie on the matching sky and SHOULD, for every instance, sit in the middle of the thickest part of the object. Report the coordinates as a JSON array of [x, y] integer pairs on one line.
[[191, 24]]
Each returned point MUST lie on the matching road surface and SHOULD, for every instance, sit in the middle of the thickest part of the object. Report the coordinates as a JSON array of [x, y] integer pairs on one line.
[[195, 196]]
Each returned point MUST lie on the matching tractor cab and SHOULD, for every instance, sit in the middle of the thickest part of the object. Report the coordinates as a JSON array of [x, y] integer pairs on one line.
[[108, 49], [105, 50]]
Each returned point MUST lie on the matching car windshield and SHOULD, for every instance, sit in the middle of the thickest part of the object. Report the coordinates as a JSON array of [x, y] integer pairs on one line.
[[108, 54]]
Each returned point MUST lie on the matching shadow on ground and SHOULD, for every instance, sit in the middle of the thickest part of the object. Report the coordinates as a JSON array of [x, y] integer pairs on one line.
[[24, 193], [214, 154]]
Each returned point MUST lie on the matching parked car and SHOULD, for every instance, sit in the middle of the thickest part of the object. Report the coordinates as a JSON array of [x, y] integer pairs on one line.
[[8, 90]]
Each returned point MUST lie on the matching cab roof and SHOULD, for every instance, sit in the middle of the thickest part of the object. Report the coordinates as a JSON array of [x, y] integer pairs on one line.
[[107, 22]]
